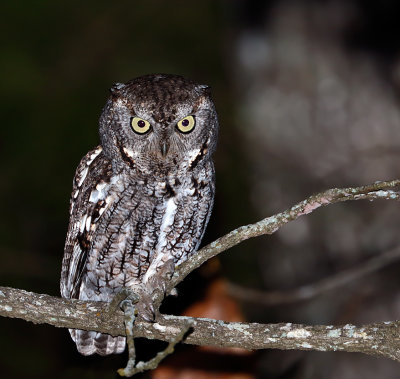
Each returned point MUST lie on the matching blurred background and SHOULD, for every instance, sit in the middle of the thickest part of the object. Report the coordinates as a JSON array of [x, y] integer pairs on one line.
[[308, 99]]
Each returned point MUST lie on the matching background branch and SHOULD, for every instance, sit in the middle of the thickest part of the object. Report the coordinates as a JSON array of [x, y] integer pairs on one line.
[[309, 291]]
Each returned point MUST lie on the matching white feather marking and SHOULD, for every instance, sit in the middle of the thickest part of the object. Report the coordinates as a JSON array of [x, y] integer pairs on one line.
[[76, 194], [94, 155], [167, 221], [103, 188], [129, 152], [192, 156], [88, 222], [94, 196], [116, 179], [188, 192], [99, 193], [84, 173], [82, 223], [100, 186]]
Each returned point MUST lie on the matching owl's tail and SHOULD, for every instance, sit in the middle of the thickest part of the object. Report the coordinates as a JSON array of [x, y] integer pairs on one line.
[[89, 343]]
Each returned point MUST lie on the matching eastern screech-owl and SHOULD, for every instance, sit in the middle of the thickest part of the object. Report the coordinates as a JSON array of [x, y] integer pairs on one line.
[[142, 199]]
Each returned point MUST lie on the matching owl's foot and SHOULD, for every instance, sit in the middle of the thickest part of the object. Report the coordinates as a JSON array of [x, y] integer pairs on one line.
[[123, 294], [154, 290]]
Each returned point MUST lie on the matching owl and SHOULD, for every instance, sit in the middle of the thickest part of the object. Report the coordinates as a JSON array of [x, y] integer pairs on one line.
[[141, 200]]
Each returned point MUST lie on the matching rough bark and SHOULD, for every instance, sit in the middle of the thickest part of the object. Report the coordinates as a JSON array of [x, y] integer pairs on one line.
[[375, 339]]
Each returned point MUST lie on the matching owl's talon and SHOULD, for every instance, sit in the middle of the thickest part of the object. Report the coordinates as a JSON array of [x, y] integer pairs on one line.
[[146, 310]]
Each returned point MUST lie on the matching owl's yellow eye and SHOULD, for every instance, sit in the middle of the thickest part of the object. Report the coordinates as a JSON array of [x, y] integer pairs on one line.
[[186, 125], [139, 125]]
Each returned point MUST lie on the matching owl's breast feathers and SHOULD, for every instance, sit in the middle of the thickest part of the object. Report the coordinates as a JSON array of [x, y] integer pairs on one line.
[[123, 228]]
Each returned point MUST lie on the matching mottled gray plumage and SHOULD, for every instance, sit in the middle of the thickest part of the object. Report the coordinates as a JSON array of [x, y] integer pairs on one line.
[[142, 199]]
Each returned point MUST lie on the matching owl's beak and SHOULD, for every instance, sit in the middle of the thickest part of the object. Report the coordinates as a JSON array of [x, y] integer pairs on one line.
[[164, 148]]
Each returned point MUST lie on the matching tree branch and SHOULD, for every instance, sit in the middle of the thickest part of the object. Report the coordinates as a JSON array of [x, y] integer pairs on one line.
[[376, 339], [269, 225]]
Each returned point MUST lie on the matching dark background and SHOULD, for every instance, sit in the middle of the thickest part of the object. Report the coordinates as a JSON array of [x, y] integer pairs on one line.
[[308, 98]]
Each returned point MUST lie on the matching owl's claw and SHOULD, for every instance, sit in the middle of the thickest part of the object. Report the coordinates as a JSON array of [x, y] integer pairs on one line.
[[146, 309]]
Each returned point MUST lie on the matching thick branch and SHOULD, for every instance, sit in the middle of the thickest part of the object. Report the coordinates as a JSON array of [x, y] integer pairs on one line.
[[375, 339]]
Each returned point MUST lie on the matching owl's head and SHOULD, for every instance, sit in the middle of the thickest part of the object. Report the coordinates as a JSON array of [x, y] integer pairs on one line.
[[158, 124]]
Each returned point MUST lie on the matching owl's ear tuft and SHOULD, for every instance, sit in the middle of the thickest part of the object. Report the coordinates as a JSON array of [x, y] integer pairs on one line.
[[204, 89], [116, 89]]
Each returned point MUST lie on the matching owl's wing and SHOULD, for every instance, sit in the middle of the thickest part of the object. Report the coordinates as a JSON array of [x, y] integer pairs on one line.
[[86, 207]]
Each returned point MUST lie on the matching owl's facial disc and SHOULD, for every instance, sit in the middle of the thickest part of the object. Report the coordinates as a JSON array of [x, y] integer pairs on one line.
[[141, 126], [158, 124]]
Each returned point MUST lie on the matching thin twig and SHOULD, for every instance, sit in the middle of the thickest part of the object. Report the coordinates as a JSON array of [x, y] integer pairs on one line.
[[154, 362], [269, 225], [129, 321]]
